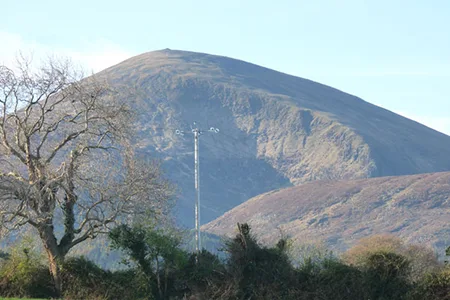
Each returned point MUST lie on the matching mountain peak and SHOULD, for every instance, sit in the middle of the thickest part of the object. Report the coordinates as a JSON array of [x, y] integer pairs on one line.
[[275, 129]]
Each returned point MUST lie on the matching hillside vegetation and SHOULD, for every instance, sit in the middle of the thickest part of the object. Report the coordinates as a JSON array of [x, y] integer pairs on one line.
[[339, 213]]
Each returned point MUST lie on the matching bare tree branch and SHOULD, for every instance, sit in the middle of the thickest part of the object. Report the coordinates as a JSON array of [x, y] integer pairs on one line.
[[65, 147]]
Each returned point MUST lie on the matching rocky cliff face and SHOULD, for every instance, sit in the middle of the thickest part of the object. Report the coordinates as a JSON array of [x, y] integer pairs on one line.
[[339, 213], [276, 130]]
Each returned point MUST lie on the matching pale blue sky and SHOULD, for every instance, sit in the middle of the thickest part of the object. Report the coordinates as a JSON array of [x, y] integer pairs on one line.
[[393, 53]]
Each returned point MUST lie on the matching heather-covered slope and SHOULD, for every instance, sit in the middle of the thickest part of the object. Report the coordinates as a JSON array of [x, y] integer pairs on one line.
[[414, 207], [276, 130]]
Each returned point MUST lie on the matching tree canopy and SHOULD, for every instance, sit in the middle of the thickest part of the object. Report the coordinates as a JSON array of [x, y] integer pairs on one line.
[[67, 165]]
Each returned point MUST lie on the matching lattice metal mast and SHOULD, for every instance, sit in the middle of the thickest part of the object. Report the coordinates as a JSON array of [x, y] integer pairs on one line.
[[197, 132]]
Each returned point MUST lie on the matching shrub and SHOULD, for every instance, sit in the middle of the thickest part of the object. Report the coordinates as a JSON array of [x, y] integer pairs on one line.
[[23, 274], [422, 260], [82, 279], [156, 254], [258, 272], [435, 286], [386, 275], [329, 278], [203, 270]]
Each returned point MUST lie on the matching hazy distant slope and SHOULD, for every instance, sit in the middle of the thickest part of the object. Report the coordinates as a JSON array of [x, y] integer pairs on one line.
[[276, 129], [415, 207]]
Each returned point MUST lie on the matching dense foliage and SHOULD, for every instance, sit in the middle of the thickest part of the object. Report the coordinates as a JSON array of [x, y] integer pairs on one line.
[[380, 267]]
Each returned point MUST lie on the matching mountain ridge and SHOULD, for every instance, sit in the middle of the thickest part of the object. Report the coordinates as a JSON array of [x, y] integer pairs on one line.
[[339, 213]]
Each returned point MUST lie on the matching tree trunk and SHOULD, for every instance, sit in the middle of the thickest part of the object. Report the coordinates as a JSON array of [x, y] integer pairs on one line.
[[158, 279], [166, 275], [55, 257], [55, 271]]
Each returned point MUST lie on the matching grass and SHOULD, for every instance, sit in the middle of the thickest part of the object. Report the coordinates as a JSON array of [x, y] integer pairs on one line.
[[19, 299]]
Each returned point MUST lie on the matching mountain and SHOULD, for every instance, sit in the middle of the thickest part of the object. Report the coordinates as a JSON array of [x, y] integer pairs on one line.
[[276, 130], [339, 213]]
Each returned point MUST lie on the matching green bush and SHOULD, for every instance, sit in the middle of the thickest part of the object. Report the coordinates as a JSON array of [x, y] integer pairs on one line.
[[258, 272], [435, 286], [82, 279], [386, 275], [203, 275], [329, 278], [157, 255], [159, 269], [24, 274]]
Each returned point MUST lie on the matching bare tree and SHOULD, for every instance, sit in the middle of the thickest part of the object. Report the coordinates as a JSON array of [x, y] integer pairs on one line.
[[66, 165]]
